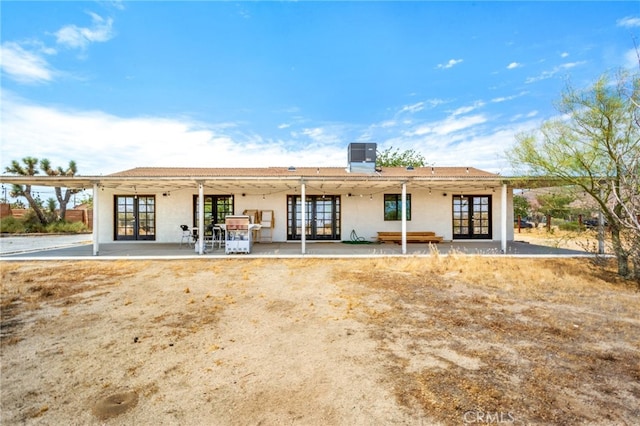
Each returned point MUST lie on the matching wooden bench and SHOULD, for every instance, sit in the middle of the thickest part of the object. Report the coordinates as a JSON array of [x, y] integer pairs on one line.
[[412, 237]]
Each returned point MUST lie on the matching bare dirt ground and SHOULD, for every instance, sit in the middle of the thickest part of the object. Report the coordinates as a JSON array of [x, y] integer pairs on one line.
[[586, 240], [440, 340]]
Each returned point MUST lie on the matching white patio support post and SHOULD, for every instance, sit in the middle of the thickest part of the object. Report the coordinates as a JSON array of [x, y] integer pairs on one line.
[[403, 209], [200, 242], [503, 220], [96, 215], [303, 202]]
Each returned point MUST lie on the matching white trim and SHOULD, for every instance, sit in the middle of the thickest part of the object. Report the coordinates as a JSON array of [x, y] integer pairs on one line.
[[503, 219], [403, 209], [200, 242], [96, 234], [303, 202]]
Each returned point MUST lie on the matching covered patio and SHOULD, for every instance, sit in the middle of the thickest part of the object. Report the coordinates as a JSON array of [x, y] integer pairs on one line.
[[265, 188]]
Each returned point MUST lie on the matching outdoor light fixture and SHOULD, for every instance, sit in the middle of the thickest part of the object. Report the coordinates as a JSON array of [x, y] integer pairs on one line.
[[410, 168], [291, 169]]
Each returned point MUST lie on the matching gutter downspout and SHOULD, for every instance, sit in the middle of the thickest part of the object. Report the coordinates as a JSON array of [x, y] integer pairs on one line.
[[303, 202], [96, 222], [403, 210], [200, 244], [503, 219]]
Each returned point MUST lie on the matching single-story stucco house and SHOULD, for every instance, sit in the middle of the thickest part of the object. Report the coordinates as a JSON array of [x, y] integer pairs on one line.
[[151, 203]]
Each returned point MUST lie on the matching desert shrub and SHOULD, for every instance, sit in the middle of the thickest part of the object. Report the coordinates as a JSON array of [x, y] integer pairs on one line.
[[63, 226], [11, 225], [31, 222], [569, 226]]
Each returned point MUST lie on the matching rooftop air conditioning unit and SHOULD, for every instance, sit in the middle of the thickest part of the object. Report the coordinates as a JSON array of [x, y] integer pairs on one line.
[[362, 157]]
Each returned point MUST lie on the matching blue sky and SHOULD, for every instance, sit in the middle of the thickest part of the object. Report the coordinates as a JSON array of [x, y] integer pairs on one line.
[[115, 85]]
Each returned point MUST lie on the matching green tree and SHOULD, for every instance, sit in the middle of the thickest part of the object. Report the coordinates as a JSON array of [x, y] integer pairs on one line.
[[51, 210], [63, 199], [521, 207], [555, 204], [28, 168], [393, 157], [593, 146]]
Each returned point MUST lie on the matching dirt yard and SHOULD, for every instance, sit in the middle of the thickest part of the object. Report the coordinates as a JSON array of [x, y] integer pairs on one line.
[[386, 341]]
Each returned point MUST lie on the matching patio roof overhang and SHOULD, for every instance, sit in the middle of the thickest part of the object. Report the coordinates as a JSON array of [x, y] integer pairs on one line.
[[262, 184]]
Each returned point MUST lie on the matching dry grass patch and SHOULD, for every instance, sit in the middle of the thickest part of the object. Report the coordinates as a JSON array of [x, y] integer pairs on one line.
[[28, 286], [544, 341]]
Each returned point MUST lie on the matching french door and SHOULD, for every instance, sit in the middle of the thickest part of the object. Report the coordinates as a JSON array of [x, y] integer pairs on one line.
[[322, 217], [135, 217], [471, 217], [216, 208]]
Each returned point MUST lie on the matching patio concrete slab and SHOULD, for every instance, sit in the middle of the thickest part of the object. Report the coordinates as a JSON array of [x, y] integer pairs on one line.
[[82, 248]]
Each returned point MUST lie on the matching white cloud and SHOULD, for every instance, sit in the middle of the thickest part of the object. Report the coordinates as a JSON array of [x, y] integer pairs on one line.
[[572, 64], [456, 124], [419, 106], [447, 126], [629, 22], [564, 54], [451, 63], [514, 65], [24, 66], [507, 98], [436, 102], [103, 143], [467, 109], [478, 146], [80, 37], [24, 62], [551, 73], [117, 4], [284, 126], [631, 59]]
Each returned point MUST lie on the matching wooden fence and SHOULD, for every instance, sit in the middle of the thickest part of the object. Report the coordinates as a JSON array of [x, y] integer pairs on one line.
[[73, 215]]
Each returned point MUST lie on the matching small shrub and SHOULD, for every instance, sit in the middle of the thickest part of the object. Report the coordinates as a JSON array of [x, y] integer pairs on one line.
[[32, 223], [65, 227], [569, 226], [11, 225]]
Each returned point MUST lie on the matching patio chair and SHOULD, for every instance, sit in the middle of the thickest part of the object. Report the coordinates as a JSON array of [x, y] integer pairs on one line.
[[213, 233], [186, 236]]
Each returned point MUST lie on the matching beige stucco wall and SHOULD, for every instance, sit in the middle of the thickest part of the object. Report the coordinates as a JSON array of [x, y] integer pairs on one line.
[[362, 214]]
